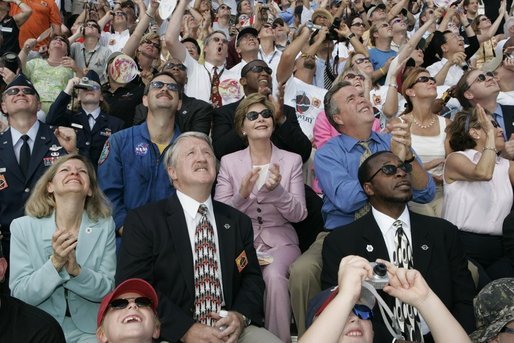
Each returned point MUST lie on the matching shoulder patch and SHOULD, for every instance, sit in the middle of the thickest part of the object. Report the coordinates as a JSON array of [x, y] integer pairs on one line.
[[105, 152]]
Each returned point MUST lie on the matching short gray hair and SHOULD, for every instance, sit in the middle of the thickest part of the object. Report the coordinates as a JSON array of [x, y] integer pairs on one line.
[[331, 108], [170, 158]]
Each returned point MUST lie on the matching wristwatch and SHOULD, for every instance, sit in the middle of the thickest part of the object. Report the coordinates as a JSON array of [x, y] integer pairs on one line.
[[247, 321]]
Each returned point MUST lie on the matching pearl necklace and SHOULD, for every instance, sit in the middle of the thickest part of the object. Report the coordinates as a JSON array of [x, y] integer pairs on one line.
[[426, 126]]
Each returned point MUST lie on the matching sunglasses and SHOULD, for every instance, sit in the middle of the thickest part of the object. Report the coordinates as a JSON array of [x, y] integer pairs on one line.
[[258, 69], [253, 115], [396, 21], [14, 91], [391, 169], [351, 76], [93, 25], [120, 14], [481, 78], [274, 26], [60, 39], [362, 312], [361, 60], [495, 124], [120, 304], [155, 45], [171, 65], [219, 39], [170, 86], [424, 79], [483, 19], [506, 329], [358, 24]]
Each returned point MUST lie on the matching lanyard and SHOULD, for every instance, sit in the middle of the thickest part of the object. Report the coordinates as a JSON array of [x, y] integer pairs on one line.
[[272, 56], [90, 57]]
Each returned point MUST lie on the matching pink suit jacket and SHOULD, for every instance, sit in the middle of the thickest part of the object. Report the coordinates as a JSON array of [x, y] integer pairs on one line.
[[276, 209]]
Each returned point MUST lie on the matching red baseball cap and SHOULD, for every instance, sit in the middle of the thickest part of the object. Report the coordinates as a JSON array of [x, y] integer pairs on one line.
[[138, 286]]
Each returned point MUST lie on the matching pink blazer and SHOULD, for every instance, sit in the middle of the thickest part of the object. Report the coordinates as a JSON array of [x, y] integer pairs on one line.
[[271, 212]]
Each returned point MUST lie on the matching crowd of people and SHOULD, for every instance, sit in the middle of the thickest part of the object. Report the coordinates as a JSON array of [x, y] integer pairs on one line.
[[215, 171]]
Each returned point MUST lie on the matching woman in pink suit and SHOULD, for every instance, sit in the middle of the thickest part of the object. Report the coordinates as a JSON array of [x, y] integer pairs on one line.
[[266, 183]]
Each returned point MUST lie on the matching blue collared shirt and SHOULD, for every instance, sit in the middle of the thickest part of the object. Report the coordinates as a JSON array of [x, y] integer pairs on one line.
[[336, 165]]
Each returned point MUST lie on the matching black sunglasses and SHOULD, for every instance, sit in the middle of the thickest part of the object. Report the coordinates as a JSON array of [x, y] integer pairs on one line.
[[171, 65], [159, 84], [361, 60], [506, 329], [362, 311], [155, 45], [358, 24], [93, 25], [351, 76], [121, 303], [258, 69], [253, 115], [14, 91], [391, 169], [424, 79], [481, 78]]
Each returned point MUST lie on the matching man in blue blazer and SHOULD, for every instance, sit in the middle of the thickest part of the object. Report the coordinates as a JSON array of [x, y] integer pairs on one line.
[[158, 246], [436, 249]]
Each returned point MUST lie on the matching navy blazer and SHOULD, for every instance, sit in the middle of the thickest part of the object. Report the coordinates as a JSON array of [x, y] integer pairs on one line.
[[508, 119], [437, 254], [15, 188], [91, 142], [156, 247]]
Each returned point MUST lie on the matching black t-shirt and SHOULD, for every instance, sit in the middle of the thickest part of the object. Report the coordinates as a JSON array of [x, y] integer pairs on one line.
[[123, 102], [20, 322], [10, 32]]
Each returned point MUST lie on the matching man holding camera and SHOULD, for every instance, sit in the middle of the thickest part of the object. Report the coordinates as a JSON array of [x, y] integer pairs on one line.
[[91, 122], [391, 232]]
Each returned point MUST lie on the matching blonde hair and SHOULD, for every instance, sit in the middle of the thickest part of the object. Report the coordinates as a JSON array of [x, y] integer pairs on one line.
[[41, 203]]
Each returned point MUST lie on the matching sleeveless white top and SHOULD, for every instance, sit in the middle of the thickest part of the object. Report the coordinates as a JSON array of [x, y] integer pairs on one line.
[[479, 206], [429, 148]]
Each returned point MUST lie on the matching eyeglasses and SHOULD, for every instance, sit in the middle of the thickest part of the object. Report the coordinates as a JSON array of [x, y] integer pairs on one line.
[[258, 69], [155, 45], [391, 169], [425, 79], [121, 303], [361, 60], [219, 39], [358, 24], [159, 84], [481, 78], [171, 65], [14, 91], [351, 76], [253, 115], [362, 311], [506, 329]]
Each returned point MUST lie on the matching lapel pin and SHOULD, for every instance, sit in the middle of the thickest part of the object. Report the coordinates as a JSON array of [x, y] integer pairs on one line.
[[226, 226], [369, 248], [89, 230], [424, 247]]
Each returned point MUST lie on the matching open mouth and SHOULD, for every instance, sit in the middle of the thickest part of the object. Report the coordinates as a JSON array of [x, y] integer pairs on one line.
[[132, 319], [354, 333]]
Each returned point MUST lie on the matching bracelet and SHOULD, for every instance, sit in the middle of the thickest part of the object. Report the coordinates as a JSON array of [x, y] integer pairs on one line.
[[149, 15], [466, 26], [382, 70], [350, 36], [490, 148], [363, 11], [393, 85]]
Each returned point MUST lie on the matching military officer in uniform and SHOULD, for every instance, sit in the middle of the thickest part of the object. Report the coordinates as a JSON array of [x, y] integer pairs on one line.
[[27, 149], [92, 123]]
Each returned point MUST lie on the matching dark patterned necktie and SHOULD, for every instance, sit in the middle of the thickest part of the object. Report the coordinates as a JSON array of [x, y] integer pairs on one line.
[[407, 315], [25, 155], [215, 84], [206, 273], [365, 154], [328, 76]]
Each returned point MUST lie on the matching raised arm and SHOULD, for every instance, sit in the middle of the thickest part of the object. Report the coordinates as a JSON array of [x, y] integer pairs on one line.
[[144, 20], [173, 32], [484, 36], [285, 67], [26, 12]]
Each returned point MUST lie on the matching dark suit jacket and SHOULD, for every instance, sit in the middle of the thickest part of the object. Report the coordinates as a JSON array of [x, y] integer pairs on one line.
[[288, 136], [508, 237], [91, 142], [437, 254], [15, 188], [193, 115], [508, 119], [156, 247]]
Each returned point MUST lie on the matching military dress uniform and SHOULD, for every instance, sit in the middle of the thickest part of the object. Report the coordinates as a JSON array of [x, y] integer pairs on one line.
[[90, 140], [15, 188]]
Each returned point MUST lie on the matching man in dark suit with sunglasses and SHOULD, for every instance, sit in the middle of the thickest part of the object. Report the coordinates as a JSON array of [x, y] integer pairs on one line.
[[476, 87], [432, 242], [27, 149]]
